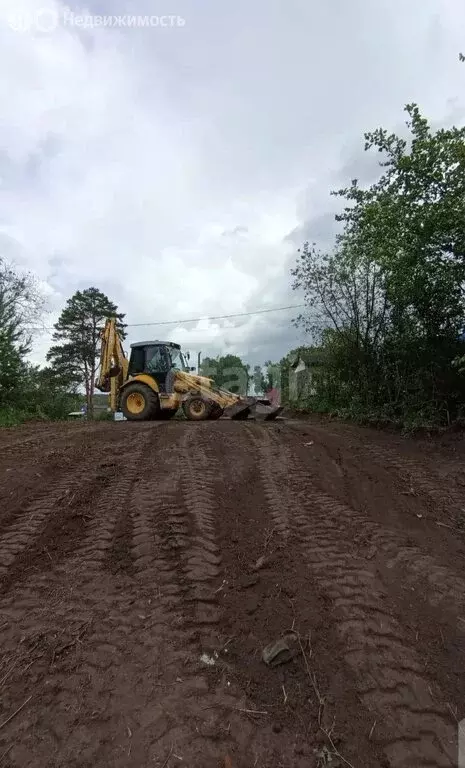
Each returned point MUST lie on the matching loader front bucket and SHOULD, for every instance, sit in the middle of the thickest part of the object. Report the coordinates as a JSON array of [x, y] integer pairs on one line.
[[260, 409], [240, 410], [266, 412]]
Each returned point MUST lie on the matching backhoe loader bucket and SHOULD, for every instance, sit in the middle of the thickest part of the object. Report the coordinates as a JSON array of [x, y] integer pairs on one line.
[[258, 408], [265, 411], [241, 409]]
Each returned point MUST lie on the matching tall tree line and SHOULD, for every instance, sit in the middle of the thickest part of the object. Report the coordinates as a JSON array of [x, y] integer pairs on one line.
[[386, 305], [31, 392]]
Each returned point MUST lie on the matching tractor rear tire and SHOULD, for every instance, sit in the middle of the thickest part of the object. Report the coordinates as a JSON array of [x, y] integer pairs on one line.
[[196, 408], [139, 402]]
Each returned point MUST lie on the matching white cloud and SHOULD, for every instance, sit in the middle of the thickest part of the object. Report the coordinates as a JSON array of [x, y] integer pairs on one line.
[[167, 166]]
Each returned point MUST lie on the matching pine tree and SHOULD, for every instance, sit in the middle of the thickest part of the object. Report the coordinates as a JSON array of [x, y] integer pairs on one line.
[[78, 335]]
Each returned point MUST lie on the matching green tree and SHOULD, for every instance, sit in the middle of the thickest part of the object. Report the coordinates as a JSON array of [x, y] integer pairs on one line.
[[44, 394], [259, 379], [388, 302], [347, 310], [411, 223], [208, 367], [228, 372], [300, 378], [26, 391], [77, 333], [20, 305], [271, 377]]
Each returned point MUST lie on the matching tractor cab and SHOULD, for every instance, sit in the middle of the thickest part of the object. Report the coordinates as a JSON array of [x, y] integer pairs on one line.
[[157, 359]]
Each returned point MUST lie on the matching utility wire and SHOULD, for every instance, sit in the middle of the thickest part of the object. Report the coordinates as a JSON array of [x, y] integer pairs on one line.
[[218, 317], [198, 319]]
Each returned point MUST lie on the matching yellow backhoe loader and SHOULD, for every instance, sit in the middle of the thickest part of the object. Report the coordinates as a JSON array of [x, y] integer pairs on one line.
[[156, 381]]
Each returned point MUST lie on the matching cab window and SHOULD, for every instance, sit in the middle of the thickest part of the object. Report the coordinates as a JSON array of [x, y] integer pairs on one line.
[[157, 360], [137, 361]]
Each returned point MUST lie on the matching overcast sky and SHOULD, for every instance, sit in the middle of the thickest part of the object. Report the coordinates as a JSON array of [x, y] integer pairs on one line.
[[178, 168]]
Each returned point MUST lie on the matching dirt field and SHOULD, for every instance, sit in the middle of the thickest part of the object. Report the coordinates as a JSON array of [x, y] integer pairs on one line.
[[144, 568]]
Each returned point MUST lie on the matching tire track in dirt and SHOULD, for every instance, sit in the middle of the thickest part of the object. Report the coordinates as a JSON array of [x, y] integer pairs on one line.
[[170, 517], [26, 478], [173, 511], [109, 506], [262, 603], [22, 533], [158, 527], [200, 554], [267, 456], [110, 656], [50, 436], [413, 727], [441, 585], [84, 668], [20, 485], [104, 616], [430, 483], [97, 490], [174, 548]]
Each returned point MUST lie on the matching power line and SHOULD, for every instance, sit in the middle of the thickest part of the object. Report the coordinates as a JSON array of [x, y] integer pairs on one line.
[[198, 319], [218, 317]]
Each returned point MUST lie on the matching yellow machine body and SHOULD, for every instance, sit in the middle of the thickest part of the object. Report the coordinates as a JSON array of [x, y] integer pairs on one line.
[[143, 395]]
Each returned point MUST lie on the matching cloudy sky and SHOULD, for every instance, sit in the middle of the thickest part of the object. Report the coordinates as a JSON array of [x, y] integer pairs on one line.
[[178, 168]]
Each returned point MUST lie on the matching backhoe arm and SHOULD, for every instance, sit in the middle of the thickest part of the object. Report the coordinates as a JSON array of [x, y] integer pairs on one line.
[[113, 369]]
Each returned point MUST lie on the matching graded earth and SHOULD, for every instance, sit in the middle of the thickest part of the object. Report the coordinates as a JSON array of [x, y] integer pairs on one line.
[[145, 568]]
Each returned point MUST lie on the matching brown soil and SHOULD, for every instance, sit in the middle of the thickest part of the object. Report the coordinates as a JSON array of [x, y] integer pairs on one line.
[[144, 568]]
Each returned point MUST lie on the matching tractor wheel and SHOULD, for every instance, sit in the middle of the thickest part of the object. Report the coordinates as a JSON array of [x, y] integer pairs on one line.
[[139, 402], [166, 414], [196, 408]]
